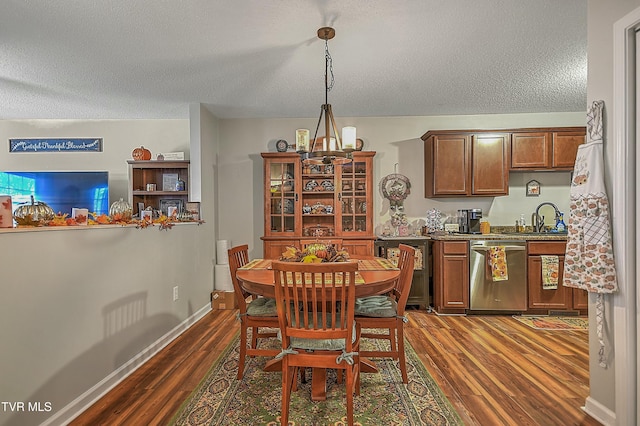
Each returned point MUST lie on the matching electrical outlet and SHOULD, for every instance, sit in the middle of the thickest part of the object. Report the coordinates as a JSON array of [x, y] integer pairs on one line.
[[175, 293]]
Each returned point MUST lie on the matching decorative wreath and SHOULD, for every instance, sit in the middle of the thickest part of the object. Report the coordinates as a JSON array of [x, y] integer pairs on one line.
[[395, 188]]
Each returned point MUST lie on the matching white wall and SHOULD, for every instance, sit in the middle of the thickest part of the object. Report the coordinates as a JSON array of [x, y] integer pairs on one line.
[[601, 16], [396, 141], [79, 305], [120, 137]]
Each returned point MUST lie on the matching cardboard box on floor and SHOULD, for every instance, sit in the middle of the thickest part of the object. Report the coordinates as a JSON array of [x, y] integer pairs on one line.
[[223, 300]]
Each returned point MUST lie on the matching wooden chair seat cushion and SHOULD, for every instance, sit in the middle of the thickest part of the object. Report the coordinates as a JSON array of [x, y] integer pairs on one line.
[[262, 307], [319, 344], [376, 306]]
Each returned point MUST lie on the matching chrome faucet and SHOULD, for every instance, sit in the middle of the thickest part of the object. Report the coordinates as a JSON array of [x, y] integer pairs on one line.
[[538, 221]]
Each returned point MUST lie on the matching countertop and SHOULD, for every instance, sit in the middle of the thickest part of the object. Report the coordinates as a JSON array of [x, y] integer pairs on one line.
[[548, 236], [447, 236]]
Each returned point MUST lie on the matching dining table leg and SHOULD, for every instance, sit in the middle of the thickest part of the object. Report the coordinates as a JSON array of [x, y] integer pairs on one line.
[[318, 384]]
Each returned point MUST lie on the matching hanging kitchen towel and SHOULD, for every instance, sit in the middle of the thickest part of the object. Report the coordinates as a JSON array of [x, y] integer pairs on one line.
[[589, 262], [550, 272], [498, 263]]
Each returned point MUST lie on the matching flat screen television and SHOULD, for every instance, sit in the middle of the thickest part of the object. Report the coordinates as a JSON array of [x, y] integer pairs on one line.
[[62, 191]]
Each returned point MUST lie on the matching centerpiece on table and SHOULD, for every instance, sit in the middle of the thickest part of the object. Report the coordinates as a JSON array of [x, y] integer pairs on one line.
[[314, 253]]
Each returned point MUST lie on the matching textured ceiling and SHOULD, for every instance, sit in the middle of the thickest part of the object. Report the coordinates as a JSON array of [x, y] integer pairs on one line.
[[262, 58]]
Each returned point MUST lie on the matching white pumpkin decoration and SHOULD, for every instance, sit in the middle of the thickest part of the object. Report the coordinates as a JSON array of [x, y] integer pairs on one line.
[[39, 211], [122, 208]]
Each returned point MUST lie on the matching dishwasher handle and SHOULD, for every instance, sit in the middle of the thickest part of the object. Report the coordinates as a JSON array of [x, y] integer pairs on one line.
[[506, 248]]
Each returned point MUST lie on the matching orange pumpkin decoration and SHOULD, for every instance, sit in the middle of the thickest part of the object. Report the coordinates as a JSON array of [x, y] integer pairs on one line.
[[141, 153]]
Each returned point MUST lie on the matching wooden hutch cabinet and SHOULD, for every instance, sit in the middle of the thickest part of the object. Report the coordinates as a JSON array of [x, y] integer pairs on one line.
[[308, 203], [460, 164], [164, 175]]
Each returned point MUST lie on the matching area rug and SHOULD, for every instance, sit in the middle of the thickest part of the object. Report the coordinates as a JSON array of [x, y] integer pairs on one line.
[[220, 399], [554, 323]]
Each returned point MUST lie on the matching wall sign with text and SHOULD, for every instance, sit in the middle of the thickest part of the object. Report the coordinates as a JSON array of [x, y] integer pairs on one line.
[[56, 145]]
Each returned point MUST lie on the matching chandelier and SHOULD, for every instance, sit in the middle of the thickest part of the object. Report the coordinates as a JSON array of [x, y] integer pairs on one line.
[[329, 149]]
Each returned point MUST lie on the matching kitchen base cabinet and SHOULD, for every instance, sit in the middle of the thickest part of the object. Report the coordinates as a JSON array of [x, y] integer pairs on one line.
[[581, 300], [544, 300], [387, 248], [560, 299], [451, 277]]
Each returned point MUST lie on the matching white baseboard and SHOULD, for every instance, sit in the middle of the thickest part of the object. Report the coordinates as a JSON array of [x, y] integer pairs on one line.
[[599, 412], [88, 398]]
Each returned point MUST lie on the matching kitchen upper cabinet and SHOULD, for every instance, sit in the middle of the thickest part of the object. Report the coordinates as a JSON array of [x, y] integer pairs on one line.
[[459, 164], [447, 165], [565, 148], [490, 170], [530, 150], [546, 149]]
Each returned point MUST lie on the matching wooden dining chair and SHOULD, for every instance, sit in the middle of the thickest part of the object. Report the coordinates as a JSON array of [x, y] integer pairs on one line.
[[387, 313], [316, 312], [258, 312]]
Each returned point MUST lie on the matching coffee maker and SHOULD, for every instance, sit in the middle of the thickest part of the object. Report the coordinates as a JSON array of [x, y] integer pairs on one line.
[[469, 221]]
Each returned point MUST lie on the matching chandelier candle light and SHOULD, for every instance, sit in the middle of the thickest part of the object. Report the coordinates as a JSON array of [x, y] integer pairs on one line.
[[336, 150]]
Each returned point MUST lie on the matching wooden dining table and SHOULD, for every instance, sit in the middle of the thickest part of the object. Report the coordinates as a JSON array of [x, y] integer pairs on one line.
[[375, 276]]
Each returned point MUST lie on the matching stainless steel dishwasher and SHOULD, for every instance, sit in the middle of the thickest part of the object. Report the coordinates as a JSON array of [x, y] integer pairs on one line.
[[488, 295]]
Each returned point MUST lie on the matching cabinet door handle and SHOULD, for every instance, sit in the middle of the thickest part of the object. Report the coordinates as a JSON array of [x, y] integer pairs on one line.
[[339, 196], [296, 197]]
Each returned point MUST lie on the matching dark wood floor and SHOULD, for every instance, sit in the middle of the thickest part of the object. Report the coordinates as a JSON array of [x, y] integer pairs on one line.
[[493, 369]]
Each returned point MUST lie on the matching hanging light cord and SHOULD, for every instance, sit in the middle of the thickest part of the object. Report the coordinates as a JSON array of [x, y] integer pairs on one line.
[[329, 60], [331, 146], [328, 71]]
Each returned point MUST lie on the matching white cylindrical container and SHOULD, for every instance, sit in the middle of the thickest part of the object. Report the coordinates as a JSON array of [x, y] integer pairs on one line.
[[222, 255], [349, 138], [302, 140], [222, 277]]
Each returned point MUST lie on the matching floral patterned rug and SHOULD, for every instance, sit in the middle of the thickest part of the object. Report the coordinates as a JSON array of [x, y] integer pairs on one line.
[[554, 323], [220, 399]]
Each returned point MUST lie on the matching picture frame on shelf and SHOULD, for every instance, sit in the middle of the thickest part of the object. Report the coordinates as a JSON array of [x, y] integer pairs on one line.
[[169, 181], [194, 209], [165, 203]]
